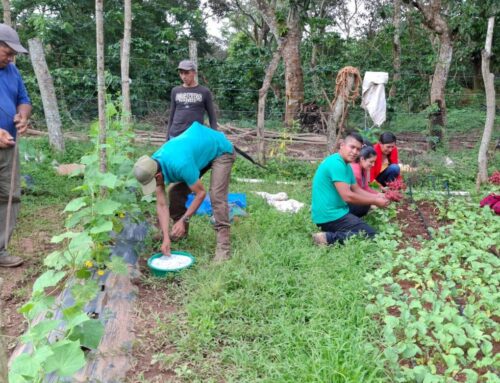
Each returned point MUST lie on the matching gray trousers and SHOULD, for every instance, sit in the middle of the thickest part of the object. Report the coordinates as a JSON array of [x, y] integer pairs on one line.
[[6, 161], [219, 187]]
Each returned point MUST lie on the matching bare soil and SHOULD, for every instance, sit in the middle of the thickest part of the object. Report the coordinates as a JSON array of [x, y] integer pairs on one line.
[[155, 307], [31, 245], [415, 219]]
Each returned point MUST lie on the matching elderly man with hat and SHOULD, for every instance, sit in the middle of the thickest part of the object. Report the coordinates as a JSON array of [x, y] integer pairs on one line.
[[183, 159], [15, 110], [188, 104]]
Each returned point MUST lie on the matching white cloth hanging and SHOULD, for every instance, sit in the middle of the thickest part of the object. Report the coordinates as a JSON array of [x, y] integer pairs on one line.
[[373, 100]]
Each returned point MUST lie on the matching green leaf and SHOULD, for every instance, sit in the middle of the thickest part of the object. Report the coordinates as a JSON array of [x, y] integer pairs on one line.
[[40, 331], [74, 316], [106, 207], [451, 361], [38, 304], [62, 237], [86, 292], [391, 354], [107, 180], [117, 265], [48, 279], [55, 260], [104, 227], [88, 333], [420, 373], [410, 350], [472, 375], [26, 367], [486, 347], [75, 204], [471, 353], [67, 358], [80, 217], [83, 274]]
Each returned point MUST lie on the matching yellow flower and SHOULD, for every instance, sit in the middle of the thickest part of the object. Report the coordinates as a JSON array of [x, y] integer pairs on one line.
[[100, 272], [121, 215], [89, 264]]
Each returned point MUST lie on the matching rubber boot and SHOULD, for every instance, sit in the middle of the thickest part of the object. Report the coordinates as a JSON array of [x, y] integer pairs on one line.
[[223, 248]]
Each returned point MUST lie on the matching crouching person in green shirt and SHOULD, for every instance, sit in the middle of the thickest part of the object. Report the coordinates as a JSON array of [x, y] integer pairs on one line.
[[183, 159], [334, 186]]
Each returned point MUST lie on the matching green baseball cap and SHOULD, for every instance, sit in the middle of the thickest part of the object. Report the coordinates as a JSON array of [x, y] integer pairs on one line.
[[145, 170]]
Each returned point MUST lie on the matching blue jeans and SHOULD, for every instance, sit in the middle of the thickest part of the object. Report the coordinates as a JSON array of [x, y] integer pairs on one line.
[[359, 210], [345, 227], [389, 174]]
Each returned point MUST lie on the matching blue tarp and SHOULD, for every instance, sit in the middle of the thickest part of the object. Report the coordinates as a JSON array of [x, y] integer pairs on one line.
[[234, 199]]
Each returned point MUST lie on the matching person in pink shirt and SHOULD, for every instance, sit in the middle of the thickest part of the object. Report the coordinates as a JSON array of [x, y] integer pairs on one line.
[[361, 169]]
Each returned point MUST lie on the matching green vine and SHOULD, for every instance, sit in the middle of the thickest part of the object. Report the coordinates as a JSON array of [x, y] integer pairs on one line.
[[58, 342]]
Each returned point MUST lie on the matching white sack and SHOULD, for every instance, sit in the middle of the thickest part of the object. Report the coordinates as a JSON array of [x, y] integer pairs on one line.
[[373, 100]]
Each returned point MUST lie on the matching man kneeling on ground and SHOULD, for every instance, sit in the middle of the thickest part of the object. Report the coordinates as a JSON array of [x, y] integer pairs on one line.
[[334, 186], [184, 159]]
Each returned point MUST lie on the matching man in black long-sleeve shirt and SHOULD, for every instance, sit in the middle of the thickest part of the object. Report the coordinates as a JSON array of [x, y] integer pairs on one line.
[[189, 102]]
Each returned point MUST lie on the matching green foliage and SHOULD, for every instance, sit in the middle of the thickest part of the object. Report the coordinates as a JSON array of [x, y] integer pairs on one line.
[[437, 304], [104, 199]]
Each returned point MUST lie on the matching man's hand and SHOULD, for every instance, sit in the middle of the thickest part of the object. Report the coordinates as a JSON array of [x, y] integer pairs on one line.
[[21, 122], [6, 140], [179, 229], [165, 246], [382, 202]]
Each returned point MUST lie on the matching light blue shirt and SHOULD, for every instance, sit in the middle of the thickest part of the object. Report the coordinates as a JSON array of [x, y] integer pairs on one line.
[[183, 157]]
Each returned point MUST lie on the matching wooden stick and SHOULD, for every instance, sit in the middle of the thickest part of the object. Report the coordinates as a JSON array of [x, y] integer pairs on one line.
[[11, 195]]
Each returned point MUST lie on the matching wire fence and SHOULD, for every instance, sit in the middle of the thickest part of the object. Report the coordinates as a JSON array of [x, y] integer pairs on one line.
[[151, 100]]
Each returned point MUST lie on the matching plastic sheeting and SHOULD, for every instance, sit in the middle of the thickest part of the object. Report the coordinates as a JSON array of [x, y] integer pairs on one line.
[[374, 96]]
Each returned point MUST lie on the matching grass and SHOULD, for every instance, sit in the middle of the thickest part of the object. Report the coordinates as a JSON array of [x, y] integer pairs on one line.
[[281, 310]]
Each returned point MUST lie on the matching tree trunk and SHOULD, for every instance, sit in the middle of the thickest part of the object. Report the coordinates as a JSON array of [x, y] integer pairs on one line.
[[47, 91], [3, 348], [125, 63], [193, 55], [489, 80], [6, 13], [437, 119], [294, 79], [266, 84], [434, 17], [335, 126], [101, 86], [396, 48]]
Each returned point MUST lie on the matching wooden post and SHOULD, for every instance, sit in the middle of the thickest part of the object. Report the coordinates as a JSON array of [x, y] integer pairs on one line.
[[193, 55], [48, 93], [489, 85], [125, 63], [101, 86], [7, 20], [3, 349], [396, 48], [261, 149], [346, 91]]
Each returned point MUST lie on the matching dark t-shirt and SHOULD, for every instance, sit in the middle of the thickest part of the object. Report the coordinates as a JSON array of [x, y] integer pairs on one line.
[[187, 106]]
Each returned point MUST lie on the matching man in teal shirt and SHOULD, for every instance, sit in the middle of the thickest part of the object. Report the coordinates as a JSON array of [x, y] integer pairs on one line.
[[184, 159], [334, 186]]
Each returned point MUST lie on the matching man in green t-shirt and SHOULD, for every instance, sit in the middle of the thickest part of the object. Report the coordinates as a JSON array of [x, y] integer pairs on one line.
[[183, 159], [334, 186]]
